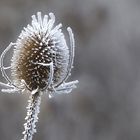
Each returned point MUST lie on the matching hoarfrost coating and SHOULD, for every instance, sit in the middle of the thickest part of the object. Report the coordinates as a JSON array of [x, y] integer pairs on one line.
[[42, 60]]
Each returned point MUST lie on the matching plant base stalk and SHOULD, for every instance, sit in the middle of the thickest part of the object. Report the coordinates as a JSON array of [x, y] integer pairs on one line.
[[32, 116]]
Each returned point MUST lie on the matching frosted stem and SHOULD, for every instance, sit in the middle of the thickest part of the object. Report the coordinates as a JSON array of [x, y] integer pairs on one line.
[[32, 116]]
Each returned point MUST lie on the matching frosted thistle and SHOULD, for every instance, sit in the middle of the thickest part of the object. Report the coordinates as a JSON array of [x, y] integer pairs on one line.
[[41, 63]]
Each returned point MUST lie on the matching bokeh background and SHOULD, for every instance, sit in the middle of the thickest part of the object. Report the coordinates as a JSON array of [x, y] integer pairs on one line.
[[106, 104]]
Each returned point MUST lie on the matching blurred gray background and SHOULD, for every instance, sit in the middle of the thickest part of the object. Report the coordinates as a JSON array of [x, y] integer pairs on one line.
[[106, 104]]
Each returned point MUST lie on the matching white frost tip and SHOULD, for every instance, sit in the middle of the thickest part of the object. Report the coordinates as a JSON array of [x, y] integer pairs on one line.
[[52, 16], [50, 96], [69, 29], [39, 18], [34, 91], [45, 20]]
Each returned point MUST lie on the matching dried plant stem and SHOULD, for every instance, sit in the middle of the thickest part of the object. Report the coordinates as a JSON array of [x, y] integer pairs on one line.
[[32, 116]]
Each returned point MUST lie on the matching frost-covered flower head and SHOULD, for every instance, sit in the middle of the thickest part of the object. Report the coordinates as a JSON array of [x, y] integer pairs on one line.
[[42, 60]]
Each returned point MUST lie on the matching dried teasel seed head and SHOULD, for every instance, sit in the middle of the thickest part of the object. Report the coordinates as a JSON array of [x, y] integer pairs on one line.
[[38, 46]]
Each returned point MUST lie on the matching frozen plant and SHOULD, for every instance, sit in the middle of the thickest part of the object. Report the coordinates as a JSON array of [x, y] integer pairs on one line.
[[41, 63]]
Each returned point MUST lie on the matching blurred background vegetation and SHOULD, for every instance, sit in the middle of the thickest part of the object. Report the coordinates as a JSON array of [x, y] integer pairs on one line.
[[105, 106]]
